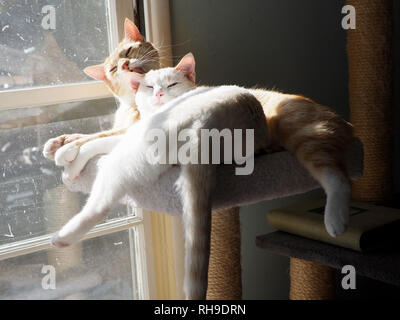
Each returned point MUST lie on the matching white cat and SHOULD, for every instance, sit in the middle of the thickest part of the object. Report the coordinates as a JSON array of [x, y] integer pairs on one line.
[[167, 99]]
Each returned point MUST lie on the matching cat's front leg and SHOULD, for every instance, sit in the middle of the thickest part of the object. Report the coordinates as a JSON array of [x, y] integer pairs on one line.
[[68, 152], [87, 152]]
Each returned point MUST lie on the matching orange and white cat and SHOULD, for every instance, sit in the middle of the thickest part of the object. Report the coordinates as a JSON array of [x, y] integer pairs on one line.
[[133, 53], [316, 135]]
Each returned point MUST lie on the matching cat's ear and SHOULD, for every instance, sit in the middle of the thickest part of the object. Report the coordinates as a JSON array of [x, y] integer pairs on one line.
[[134, 79], [131, 31], [187, 66], [96, 72]]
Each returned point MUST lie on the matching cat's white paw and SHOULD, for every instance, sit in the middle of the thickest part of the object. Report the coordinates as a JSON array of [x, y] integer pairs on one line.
[[66, 154], [51, 146], [72, 171], [336, 217], [68, 178], [57, 242], [67, 235]]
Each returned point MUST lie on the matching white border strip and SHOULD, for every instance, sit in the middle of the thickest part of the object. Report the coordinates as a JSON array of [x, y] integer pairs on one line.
[[158, 31]]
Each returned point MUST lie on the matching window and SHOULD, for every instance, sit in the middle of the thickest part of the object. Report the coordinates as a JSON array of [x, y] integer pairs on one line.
[[44, 93]]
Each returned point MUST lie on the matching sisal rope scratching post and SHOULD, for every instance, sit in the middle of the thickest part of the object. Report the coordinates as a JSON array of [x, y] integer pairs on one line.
[[225, 272], [369, 49], [62, 205], [371, 95], [311, 281]]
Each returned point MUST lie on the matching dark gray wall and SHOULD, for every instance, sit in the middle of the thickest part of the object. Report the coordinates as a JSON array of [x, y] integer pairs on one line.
[[293, 46], [290, 45]]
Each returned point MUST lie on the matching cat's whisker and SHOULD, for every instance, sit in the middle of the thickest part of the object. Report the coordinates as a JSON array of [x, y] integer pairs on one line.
[[158, 47], [149, 54]]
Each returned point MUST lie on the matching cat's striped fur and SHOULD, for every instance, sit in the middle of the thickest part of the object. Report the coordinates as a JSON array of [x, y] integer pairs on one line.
[[319, 138]]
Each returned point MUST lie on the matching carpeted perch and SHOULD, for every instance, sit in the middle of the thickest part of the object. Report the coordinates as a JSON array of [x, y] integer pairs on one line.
[[275, 175]]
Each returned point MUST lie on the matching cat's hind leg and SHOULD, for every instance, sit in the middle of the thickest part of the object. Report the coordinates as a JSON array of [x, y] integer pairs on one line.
[[337, 187], [325, 161], [106, 191]]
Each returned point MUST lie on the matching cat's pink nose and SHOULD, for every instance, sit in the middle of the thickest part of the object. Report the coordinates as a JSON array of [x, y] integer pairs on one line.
[[159, 94]]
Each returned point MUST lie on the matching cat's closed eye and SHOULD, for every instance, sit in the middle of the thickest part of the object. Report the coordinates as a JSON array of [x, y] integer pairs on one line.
[[173, 84], [125, 53], [150, 87], [128, 52]]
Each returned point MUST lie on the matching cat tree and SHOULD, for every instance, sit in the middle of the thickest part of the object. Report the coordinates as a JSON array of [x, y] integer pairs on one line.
[[369, 50]]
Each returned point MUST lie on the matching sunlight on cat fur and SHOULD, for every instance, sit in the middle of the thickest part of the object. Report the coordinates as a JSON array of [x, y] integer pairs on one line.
[[317, 136]]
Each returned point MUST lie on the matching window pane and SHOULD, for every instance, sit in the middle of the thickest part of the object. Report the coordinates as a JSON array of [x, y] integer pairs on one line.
[[32, 53], [33, 200], [99, 268]]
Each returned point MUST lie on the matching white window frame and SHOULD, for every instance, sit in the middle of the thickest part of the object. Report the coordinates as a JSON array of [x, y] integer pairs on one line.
[[158, 32], [118, 10]]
